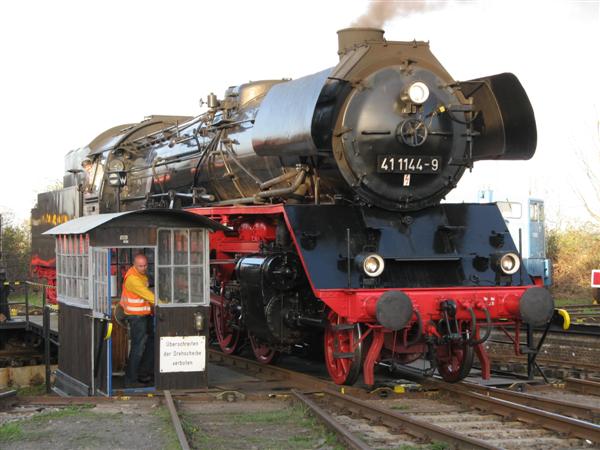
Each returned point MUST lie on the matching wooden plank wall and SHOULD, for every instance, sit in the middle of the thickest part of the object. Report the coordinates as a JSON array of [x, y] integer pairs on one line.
[[179, 321], [119, 346], [74, 353]]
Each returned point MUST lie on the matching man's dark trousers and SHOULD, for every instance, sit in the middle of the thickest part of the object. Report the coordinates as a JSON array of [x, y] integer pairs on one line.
[[141, 355]]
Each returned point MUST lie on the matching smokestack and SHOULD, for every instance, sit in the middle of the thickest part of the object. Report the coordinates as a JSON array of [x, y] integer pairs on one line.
[[348, 38]]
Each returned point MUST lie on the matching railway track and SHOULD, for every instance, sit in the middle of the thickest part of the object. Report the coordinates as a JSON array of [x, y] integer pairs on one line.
[[516, 419], [562, 407], [455, 426], [490, 400], [576, 366], [589, 387], [181, 437], [417, 430], [462, 415], [584, 313]]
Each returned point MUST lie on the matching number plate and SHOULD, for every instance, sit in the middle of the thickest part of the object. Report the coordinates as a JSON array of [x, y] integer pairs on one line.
[[408, 164]]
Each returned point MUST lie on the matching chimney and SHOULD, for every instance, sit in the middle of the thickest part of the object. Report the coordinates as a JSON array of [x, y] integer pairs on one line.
[[348, 38]]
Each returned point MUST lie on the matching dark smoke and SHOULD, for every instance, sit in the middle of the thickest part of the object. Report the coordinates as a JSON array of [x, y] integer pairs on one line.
[[382, 11]]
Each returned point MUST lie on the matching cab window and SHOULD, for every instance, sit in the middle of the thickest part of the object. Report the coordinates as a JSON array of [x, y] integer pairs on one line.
[[536, 212], [510, 210]]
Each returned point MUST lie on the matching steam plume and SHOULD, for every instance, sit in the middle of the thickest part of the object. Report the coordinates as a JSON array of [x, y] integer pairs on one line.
[[382, 11]]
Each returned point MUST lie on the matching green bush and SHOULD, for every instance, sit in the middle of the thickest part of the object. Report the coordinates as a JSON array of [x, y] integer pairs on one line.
[[574, 253], [16, 248]]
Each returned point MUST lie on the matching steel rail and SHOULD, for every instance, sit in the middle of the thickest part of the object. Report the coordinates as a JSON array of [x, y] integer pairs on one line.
[[76, 400], [576, 329], [8, 394], [551, 421], [176, 421], [576, 365], [563, 407], [583, 386], [403, 423], [576, 307], [350, 440]]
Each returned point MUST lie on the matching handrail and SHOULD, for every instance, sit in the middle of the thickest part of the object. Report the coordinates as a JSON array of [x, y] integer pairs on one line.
[[25, 285]]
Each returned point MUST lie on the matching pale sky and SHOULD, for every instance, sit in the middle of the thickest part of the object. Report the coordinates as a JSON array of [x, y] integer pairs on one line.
[[71, 69]]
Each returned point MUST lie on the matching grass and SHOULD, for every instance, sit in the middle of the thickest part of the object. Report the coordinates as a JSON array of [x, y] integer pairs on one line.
[[438, 446], [36, 389], [267, 417], [75, 427], [400, 407], [312, 431], [168, 432], [11, 432], [573, 301], [68, 411], [435, 445], [35, 299]]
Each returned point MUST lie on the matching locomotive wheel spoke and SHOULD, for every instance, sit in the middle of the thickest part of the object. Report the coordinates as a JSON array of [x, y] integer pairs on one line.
[[263, 352], [343, 350], [228, 336]]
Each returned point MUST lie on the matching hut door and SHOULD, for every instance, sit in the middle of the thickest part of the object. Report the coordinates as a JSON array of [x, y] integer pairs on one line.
[[182, 312], [101, 313]]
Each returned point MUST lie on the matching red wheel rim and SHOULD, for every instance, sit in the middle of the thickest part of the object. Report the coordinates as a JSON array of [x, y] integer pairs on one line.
[[262, 352], [341, 370], [454, 361], [227, 336]]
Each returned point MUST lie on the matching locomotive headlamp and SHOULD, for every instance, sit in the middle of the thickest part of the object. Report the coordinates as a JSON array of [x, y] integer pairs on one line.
[[113, 179], [116, 165], [371, 263], [509, 263], [418, 92]]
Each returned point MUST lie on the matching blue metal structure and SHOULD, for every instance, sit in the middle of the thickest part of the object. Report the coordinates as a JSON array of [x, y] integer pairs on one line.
[[524, 217]]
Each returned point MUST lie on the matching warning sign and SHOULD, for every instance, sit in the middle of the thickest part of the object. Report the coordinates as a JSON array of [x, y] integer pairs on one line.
[[596, 278], [182, 354]]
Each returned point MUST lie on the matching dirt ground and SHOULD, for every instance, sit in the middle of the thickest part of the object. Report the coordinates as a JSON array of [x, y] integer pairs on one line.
[[271, 424], [114, 426]]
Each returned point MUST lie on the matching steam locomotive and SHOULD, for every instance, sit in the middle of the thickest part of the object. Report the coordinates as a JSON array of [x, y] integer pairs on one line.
[[331, 185]]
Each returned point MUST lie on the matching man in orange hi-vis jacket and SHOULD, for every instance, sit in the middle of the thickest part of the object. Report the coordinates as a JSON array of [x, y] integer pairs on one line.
[[137, 301]]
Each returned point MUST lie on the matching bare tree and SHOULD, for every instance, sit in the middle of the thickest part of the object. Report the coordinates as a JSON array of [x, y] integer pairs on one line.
[[590, 162]]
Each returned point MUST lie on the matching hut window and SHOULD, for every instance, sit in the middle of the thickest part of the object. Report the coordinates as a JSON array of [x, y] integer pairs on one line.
[[182, 275], [72, 268]]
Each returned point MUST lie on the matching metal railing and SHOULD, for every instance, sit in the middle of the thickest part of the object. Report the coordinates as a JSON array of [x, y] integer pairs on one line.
[[23, 287], [8, 289]]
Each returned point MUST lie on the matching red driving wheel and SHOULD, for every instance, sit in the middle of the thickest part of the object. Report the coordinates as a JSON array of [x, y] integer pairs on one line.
[[262, 352], [343, 350], [227, 328]]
